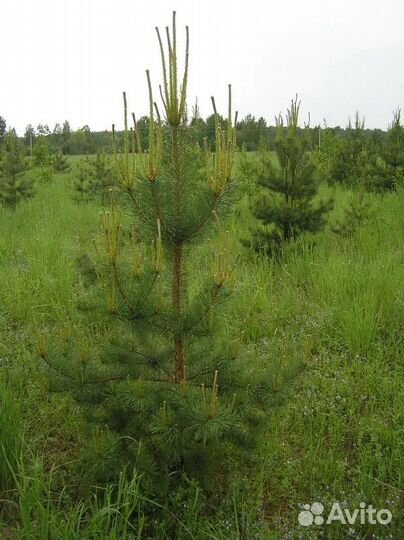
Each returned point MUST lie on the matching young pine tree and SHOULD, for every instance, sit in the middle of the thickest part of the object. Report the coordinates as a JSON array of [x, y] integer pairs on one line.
[[102, 176], [357, 213], [14, 186], [346, 156], [393, 152], [384, 169], [95, 179], [60, 162], [81, 182], [42, 160], [248, 168], [285, 207], [171, 394]]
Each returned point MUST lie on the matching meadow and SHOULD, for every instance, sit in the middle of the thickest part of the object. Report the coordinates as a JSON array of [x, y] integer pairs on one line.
[[330, 313]]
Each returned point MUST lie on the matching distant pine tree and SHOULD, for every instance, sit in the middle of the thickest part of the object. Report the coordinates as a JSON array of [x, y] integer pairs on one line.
[[342, 158], [285, 207], [102, 176], [356, 213], [95, 178], [393, 151], [383, 170], [81, 182], [60, 162], [248, 167], [42, 160], [14, 186], [378, 176]]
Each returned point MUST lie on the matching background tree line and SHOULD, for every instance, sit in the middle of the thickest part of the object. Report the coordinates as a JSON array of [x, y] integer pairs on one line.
[[251, 133]]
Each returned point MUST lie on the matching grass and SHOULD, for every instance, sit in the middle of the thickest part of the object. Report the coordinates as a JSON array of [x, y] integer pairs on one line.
[[335, 306], [10, 436]]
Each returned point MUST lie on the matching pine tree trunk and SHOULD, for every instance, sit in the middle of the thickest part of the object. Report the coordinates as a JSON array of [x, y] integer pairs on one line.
[[178, 338], [177, 271]]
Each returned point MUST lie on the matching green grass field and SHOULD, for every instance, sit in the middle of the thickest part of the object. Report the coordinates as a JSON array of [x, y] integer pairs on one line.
[[334, 304]]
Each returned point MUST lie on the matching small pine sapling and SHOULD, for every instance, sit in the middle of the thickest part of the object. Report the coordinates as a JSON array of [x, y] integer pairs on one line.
[[393, 151], [60, 162], [393, 154], [341, 159], [286, 206], [95, 178], [42, 160], [102, 176], [378, 176], [383, 171], [81, 182], [172, 393], [248, 168], [14, 185], [357, 213]]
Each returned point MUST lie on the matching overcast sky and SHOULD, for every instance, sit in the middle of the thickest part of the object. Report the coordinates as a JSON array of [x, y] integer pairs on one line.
[[71, 59]]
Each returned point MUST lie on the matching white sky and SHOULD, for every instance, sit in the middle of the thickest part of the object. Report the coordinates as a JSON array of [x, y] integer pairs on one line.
[[71, 59]]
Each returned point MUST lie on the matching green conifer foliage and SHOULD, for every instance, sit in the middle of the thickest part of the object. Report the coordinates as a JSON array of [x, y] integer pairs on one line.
[[285, 207], [172, 392], [81, 182], [248, 168], [393, 152], [378, 176], [95, 178], [357, 213], [343, 159], [42, 160], [60, 162], [14, 186], [102, 176], [383, 170]]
